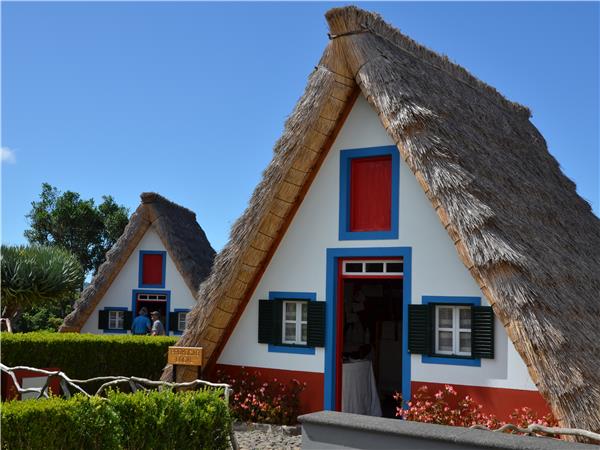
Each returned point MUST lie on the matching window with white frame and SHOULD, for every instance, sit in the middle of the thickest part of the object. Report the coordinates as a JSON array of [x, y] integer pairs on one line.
[[152, 297], [181, 320], [116, 320], [453, 330], [373, 267], [295, 320]]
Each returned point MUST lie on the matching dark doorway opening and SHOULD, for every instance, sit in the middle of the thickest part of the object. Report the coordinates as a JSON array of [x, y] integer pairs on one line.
[[372, 335], [153, 302]]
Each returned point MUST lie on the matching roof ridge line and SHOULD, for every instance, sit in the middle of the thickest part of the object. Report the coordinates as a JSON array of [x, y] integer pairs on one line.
[[152, 199], [487, 95], [349, 19]]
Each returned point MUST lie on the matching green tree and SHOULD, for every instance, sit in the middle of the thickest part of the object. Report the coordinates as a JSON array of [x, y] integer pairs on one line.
[[66, 220], [35, 275], [48, 317]]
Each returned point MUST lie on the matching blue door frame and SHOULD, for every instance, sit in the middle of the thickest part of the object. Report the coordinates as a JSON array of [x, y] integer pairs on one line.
[[333, 255]]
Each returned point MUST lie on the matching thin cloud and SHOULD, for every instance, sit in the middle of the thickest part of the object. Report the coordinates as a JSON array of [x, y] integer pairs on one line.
[[7, 155]]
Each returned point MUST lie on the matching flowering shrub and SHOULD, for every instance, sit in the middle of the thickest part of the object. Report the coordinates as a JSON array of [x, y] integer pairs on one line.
[[256, 400], [525, 416], [446, 408]]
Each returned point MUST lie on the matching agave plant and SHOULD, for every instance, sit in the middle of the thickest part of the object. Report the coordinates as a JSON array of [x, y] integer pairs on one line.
[[32, 275]]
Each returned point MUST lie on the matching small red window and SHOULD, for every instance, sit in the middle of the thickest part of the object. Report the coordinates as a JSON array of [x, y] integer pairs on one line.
[[152, 268], [371, 194]]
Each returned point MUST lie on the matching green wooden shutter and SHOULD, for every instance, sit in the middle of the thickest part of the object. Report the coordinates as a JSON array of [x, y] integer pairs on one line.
[[419, 329], [482, 332], [265, 321], [174, 321], [269, 321], [103, 320], [316, 324], [128, 319]]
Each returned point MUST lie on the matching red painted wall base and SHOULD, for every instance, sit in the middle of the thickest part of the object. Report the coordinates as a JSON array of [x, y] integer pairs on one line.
[[311, 399], [498, 401]]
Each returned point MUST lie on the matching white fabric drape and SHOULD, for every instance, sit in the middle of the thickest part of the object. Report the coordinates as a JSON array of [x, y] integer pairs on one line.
[[359, 390]]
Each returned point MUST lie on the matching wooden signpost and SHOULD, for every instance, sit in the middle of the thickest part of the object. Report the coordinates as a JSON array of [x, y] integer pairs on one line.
[[185, 356]]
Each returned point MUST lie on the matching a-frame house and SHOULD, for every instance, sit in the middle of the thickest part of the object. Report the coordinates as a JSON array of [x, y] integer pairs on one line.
[[411, 217], [158, 263]]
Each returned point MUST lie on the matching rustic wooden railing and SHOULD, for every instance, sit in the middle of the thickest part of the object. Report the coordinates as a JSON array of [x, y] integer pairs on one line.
[[135, 383], [536, 429]]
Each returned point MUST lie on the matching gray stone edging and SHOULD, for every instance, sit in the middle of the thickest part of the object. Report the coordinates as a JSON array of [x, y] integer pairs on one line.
[[288, 430], [425, 431]]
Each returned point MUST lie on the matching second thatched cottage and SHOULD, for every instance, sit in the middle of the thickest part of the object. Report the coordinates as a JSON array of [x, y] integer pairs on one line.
[[412, 229], [159, 262]]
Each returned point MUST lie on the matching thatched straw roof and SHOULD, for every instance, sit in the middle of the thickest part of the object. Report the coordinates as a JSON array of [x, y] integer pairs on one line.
[[527, 238], [179, 232]]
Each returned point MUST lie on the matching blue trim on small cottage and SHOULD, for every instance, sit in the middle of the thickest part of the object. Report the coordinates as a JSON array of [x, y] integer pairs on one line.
[[333, 254], [141, 268], [288, 348], [451, 360], [346, 157], [134, 294]]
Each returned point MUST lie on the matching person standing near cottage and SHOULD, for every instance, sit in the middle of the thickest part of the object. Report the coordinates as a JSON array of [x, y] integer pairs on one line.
[[141, 324], [157, 327]]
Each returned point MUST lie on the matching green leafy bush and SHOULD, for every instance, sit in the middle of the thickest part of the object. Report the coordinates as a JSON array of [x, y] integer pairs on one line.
[[168, 420], [56, 423], [144, 420], [48, 317], [88, 355]]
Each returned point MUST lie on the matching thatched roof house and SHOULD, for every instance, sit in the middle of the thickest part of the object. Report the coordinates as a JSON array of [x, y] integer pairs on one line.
[[184, 240], [527, 238]]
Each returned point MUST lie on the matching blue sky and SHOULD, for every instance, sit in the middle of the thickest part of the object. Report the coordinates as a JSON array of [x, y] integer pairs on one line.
[[187, 99]]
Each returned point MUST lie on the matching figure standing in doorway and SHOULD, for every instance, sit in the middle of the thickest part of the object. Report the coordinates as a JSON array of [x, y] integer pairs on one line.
[[141, 324], [157, 327]]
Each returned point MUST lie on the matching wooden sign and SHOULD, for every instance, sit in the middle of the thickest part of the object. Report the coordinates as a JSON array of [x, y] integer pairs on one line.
[[185, 356]]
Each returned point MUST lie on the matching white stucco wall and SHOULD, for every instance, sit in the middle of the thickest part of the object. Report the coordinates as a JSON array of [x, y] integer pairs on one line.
[[119, 293], [300, 265]]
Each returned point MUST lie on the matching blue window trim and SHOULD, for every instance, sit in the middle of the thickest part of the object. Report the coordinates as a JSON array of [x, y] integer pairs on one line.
[[178, 310], [134, 294], [141, 268], [115, 308], [453, 361], [346, 157], [296, 349], [333, 254]]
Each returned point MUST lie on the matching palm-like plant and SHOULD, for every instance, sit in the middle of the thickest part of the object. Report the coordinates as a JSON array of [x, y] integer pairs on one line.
[[32, 275]]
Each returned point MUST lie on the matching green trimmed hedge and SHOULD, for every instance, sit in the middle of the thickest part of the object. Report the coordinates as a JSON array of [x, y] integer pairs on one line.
[[88, 355], [144, 420]]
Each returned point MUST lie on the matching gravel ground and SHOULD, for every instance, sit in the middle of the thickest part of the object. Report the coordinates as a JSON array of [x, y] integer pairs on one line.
[[267, 437]]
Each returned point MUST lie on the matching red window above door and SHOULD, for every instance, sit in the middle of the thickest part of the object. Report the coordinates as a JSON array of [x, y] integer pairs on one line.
[[152, 270], [371, 194]]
